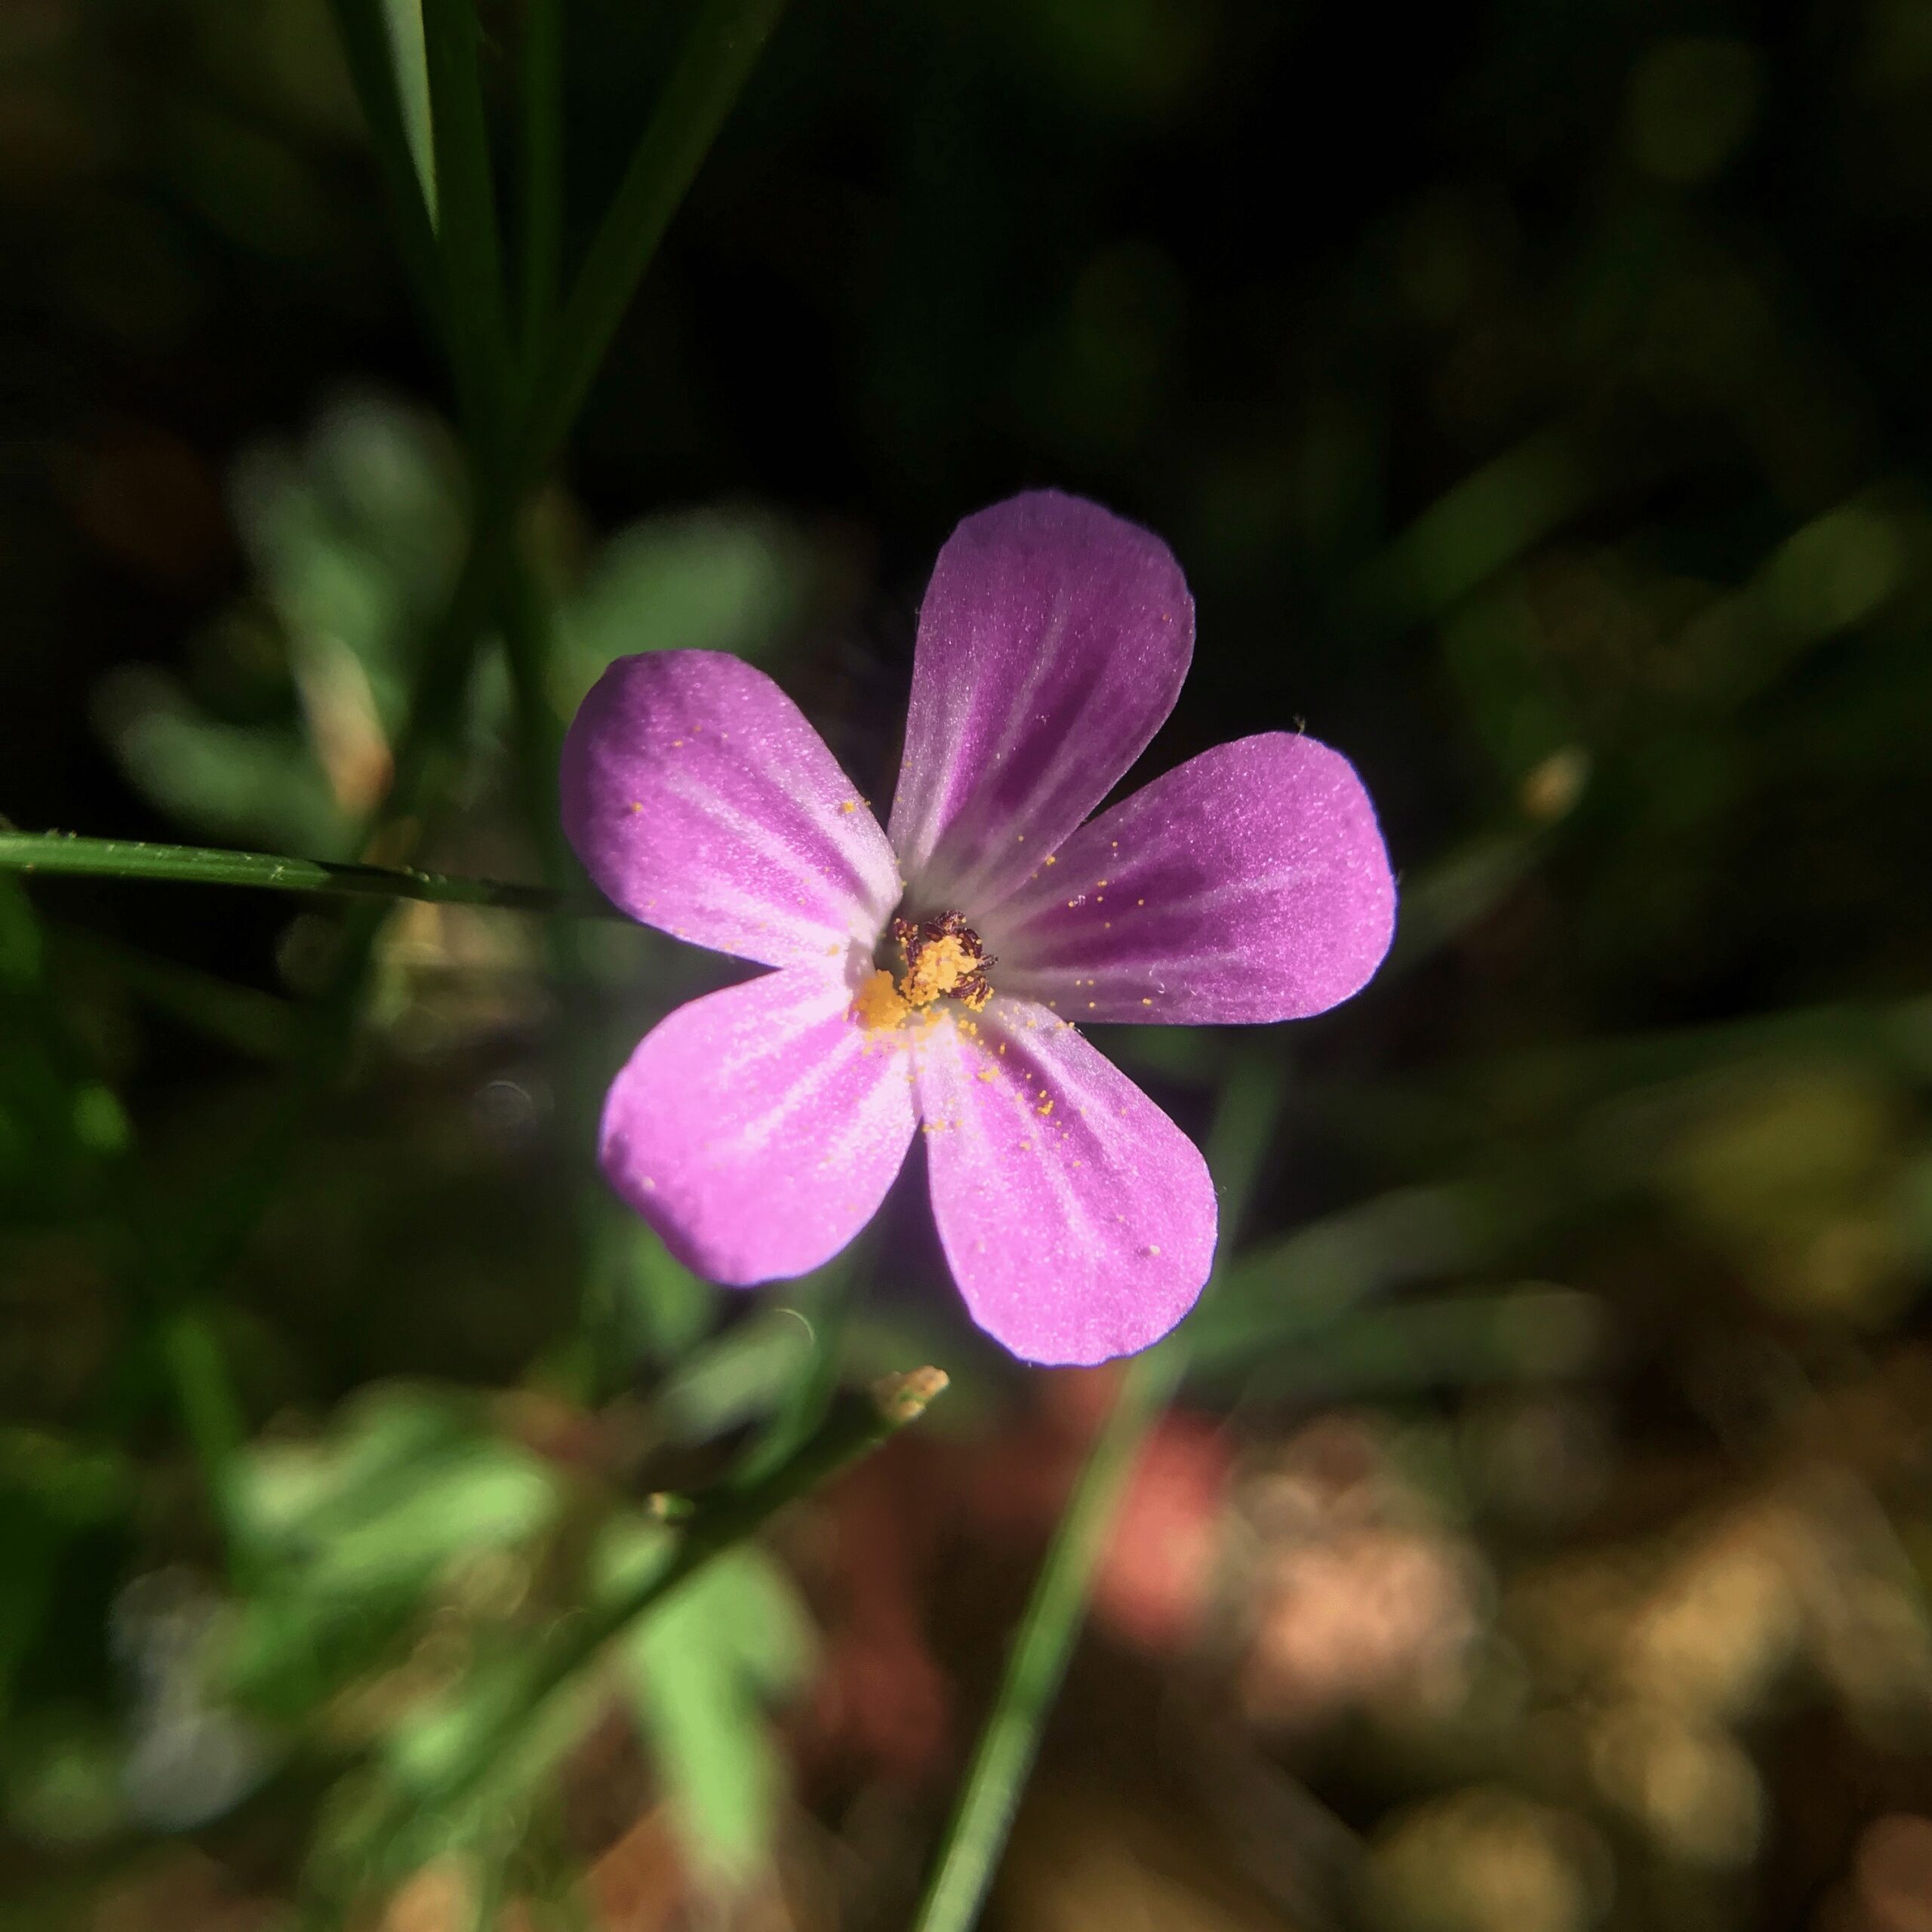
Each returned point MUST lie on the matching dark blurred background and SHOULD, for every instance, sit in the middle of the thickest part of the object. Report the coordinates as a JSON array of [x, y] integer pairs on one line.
[[1537, 397]]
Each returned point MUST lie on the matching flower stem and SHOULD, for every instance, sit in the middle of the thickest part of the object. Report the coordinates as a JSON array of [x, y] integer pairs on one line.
[[542, 174], [719, 52], [382, 44], [56, 852], [477, 331], [976, 1833], [853, 1429]]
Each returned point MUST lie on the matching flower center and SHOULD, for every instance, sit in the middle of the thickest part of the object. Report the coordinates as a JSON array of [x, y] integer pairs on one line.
[[933, 959]]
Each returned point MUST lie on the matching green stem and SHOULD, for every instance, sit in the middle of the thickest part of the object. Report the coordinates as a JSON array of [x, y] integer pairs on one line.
[[976, 1835], [387, 77], [61, 853], [719, 54], [409, 58], [442, 679], [466, 229], [211, 1408], [854, 1430], [528, 632], [543, 175]]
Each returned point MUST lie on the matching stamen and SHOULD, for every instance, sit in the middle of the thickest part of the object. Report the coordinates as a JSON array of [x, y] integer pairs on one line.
[[940, 958], [944, 959]]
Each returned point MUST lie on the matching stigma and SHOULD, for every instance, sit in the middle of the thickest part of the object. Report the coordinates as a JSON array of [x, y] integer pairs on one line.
[[934, 959]]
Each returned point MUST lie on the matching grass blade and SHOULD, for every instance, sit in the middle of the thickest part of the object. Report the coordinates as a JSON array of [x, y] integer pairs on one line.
[[57, 852], [976, 1835], [724, 43], [376, 46], [543, 173], [467, 240]]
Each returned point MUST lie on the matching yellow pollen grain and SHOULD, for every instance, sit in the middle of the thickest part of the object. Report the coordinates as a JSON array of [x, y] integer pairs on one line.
[[877, 1004], [1051, 859], [1046, 1106], [675, 742], [987, 1073], [940, 966], [849, 805], [1146, 1002]]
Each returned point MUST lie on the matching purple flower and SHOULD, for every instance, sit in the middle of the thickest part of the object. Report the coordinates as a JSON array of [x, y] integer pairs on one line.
[[931, 979]]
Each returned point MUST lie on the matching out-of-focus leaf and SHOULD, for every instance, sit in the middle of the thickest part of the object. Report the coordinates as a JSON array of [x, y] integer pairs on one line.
[[1276, 1295], [351, 1532], [354, 538], [405, 1813], [714, 580], [61, 1786], [233, 781], [1528, 1334], [1489, 519], [701, 1670], [671, 1309], [741, 1376]]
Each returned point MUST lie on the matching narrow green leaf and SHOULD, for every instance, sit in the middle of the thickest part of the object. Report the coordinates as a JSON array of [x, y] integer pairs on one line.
[[976, 1835], [466, 224], [59, 852], [543, 176], [724, 43], [376, 39], [408, 62]]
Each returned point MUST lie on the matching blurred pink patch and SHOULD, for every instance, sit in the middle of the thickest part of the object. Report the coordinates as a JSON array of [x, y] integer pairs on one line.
[[1156, 1582]]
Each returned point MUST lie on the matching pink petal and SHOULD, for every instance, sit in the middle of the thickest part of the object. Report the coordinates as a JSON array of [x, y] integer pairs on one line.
[[758, 1129], [1250, 884], [1079, 1220], [703, 803], [1052, 641]]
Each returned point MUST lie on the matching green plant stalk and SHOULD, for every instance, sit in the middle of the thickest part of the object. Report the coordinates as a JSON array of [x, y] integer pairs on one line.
[[467, 244], [719, 52], [398, 117], [854, 1430], [193, 1256], [402, 21], [680, 129], [528, 632], [543, 174], [56, 853], [975, 1835]]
